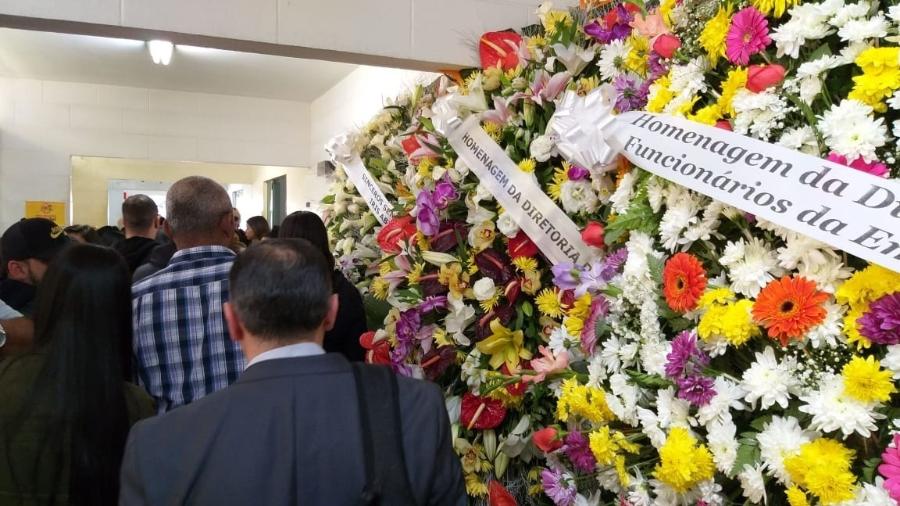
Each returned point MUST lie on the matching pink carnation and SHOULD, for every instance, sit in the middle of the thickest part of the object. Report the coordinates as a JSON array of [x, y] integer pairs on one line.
[[875, 168], [748, 35]]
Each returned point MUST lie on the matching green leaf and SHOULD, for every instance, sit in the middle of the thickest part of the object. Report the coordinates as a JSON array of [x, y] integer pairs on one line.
[[427, 123], [638, 217], [761, 422], [644, 380], [527, 308], [869, 466], [376, 311], [328, 199], [747, 455]]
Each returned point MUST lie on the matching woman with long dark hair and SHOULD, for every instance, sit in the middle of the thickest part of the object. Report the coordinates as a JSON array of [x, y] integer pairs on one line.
[[351, 318], [66, 407], [257, 229]]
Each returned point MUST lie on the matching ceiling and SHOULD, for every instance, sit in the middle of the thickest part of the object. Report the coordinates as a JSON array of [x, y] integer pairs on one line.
[[101, 60]]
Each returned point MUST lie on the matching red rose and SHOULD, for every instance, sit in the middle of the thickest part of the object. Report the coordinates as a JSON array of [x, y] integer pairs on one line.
[[499, 49], [376, 353], [723, 124], [481, 413], [499, 496], [666, 44], [760, 77], [522, 246], [396, 231], [592, 235], [547, 440]]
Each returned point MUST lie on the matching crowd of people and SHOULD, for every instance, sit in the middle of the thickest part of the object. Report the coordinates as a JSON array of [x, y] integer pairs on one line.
[[184, 361]]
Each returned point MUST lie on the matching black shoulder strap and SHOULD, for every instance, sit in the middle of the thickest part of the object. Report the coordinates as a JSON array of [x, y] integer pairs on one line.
[[377, 394]]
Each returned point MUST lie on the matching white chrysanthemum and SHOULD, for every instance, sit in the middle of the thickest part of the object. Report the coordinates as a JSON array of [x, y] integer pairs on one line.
[[751, 265], [828, 334], [723, 444], [833, 411], [578, 197], [859, 30], [728, 396], [612, 59], [616, 354], [656, 192], [851, 130], [672, 411], [596, 372], [891, 360], [686, 81], [894, 101], [800, 249], [653, 354], [623, 399], [753, 484], [561, 340], [710, 493], [828, 275], [650, 427], [769, 381], [807, 22], [894, 13], [621, 198], [801, 139], [708, 225], [780, 439], [682, 207], [849, 12], [759, 114], [871, 495]]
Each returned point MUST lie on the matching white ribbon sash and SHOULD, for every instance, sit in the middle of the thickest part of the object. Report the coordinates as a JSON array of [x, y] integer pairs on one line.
[[544, 222], [361, 178], [837, 205]]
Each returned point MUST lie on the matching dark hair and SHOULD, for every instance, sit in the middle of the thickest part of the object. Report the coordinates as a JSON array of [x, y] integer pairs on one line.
[[139, 212], [87, 232], [280, 288], [260, 227], [110, 236], [83, 326], [307, 225]]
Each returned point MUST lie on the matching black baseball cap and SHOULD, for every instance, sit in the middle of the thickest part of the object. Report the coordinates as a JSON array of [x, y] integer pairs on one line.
[[37, 238]]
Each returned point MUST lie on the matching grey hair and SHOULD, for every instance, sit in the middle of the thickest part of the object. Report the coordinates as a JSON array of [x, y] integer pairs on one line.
[[196, 205]]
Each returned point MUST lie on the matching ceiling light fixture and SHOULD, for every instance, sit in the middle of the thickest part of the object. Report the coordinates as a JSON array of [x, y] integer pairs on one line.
[[161, 51]]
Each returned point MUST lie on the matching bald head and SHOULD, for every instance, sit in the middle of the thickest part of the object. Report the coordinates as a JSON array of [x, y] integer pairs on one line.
[[199, 213]]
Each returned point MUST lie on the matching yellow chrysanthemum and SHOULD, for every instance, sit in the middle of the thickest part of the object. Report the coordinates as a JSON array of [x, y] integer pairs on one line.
[[734, 82], [582, 401], [665, 10], [475, 486], [487, 305], [574, 325], [528, 165], [715, 297], [707, 115], [868, 285], [533, 44], [554, 189], [587, 84], [660, 94], [525, 264], [683, 462], [880, 77], [851, 327], [796, 497], [638, 51], [548, 303], [380, 288], [712, 38], [425, 166], [736, 323], [494, 130], [823, 468], [415, 273], [866, 381], [775, 8], [608, 448], [581, 308], [555, 20]]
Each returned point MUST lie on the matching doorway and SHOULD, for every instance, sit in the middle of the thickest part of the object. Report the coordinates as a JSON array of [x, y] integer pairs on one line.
[[276, 200]]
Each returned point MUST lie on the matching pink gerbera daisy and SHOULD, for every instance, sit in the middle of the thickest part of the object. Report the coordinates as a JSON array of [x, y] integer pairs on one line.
[[890, 468], [748, 35]]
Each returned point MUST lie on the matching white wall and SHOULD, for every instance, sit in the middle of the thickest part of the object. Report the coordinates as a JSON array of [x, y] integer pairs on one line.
[[427, 33], [354, 100], [44, 123]]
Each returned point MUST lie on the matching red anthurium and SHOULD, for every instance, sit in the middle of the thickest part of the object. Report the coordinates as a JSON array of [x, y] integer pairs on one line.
[[592, 235], [666, 44], [724, 124], [760, 77], [481, 413], [376, 353], [499, 496], [547, 439], [499, 48], [396, 231], [512, 290], [522, 246]]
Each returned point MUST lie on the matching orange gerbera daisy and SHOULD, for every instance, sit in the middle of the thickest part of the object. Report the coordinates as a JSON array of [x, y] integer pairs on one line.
[[684, 281], [789, 308]]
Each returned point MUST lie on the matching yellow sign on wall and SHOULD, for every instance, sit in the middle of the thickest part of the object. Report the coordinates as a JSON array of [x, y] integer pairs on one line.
[[53, 211]]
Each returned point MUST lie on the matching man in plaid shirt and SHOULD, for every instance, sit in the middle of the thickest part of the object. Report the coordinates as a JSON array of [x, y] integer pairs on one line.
[[181, 341]]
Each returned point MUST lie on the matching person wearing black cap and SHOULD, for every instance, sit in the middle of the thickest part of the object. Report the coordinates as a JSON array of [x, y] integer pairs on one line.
[[27, 247]]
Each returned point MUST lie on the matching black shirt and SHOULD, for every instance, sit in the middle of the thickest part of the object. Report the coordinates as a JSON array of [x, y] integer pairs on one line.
[[18, 295], [136, 251], [351, 321]]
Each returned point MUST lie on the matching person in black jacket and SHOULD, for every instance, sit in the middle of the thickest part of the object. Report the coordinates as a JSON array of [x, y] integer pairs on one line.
[[351, 320], [140, 215]]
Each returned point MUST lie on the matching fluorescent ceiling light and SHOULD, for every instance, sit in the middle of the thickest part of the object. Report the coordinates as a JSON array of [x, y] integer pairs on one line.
[[161, 51]]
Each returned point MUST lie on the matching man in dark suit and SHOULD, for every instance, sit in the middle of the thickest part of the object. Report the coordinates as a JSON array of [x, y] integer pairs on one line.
[[292, 429]]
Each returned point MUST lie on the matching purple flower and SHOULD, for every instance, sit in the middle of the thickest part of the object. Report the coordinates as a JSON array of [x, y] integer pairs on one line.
[[426, 213], [566, 276], [578, 449], [657, 68], [398, 359], [881, 324], [558, 487], [613, 263], [685, 356], [590, 279], [577, 172], [599, 308], [698, 390], [408, 328], [444, 193], [432, 303], [620, 29], [629, 95]]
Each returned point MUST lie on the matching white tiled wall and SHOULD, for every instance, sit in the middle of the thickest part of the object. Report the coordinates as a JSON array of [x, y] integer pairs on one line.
[[44, 123], [437, 31]]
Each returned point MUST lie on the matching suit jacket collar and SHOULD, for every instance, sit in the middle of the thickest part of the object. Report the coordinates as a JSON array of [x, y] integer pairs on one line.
[[328, 363]]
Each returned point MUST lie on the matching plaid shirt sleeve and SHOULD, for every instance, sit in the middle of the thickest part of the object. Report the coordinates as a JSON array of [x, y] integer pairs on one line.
[[181, 342]]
